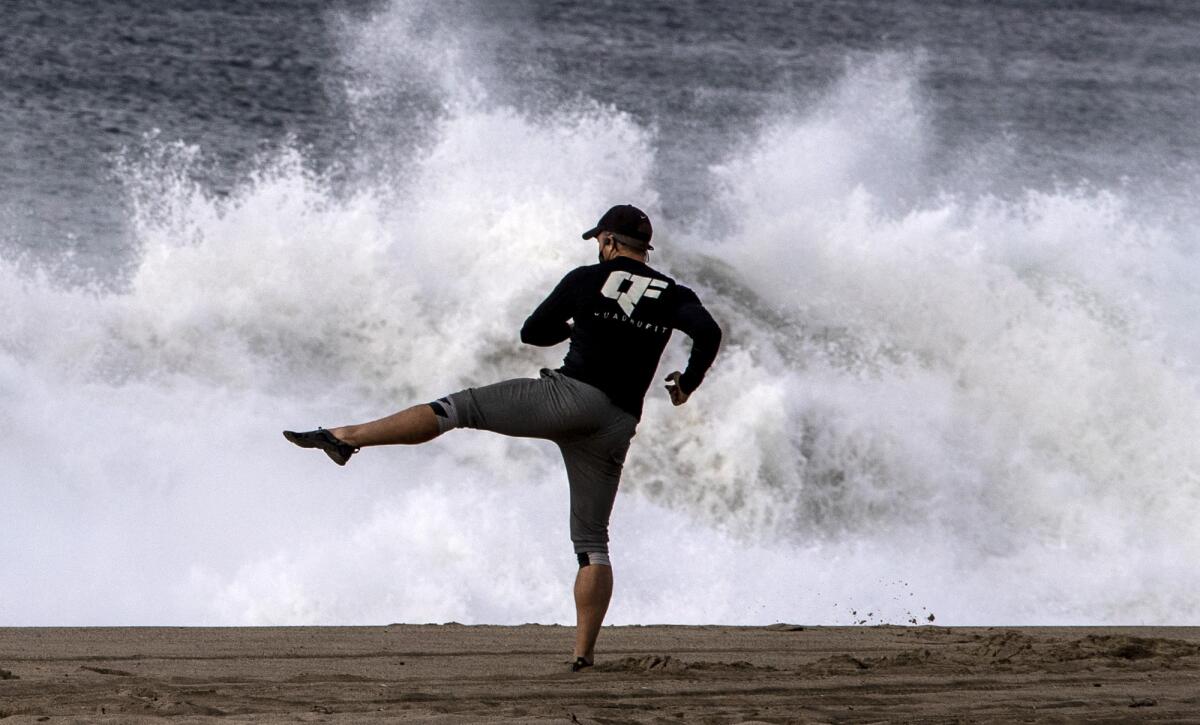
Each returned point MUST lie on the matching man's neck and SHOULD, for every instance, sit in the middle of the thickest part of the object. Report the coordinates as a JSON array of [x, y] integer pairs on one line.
[[631, 255]]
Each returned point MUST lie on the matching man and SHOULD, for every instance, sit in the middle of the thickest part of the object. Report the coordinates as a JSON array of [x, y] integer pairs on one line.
[[618, 315]]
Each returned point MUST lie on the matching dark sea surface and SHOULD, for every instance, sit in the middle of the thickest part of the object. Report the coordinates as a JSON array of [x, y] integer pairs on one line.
[[953, 247], [1058, 93]]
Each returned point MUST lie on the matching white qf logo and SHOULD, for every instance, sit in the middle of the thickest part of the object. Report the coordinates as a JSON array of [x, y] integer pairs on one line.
[[638, 288]]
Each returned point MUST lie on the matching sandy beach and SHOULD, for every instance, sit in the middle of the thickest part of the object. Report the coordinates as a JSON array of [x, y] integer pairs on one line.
[[659, 674]]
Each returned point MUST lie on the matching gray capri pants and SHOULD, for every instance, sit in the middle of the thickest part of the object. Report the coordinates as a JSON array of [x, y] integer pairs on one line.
[[592, 434]]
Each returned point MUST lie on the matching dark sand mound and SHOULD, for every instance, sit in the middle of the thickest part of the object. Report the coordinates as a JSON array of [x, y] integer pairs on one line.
[[1116, 650], [667, 663]]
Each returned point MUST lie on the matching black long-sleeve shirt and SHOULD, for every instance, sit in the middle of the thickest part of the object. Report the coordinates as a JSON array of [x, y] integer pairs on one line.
[[623, 312]]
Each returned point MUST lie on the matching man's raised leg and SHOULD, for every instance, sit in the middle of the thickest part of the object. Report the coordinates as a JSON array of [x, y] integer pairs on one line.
[[410, 426], [593, 590]]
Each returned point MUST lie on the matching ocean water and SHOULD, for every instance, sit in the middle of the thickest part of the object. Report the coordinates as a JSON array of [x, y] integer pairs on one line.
[[953, 247]]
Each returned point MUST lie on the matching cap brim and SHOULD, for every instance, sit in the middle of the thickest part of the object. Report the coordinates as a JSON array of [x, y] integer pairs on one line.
[[627, 241]]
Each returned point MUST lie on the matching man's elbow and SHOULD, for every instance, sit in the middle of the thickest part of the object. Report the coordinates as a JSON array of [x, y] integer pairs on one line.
[[542, 335], [531, 337]]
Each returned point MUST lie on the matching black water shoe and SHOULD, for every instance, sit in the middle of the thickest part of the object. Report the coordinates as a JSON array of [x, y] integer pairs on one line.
[[337, 450], [579, 664]]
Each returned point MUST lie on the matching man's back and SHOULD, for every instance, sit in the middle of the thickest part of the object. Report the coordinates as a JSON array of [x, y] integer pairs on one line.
[[623, 312]]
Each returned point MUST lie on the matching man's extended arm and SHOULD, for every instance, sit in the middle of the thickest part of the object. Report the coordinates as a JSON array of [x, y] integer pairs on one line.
[[548, 324]]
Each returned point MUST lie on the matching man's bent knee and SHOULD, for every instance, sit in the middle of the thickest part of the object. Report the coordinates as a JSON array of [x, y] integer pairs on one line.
[[446, 413]]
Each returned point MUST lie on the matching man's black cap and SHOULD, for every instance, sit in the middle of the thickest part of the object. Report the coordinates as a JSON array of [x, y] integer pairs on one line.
[[626, 220]]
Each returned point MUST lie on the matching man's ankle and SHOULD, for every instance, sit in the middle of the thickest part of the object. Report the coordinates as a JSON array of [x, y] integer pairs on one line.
[[344, 435]]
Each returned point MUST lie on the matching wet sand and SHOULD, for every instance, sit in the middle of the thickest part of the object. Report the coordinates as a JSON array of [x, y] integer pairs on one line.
[[654, 674]]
